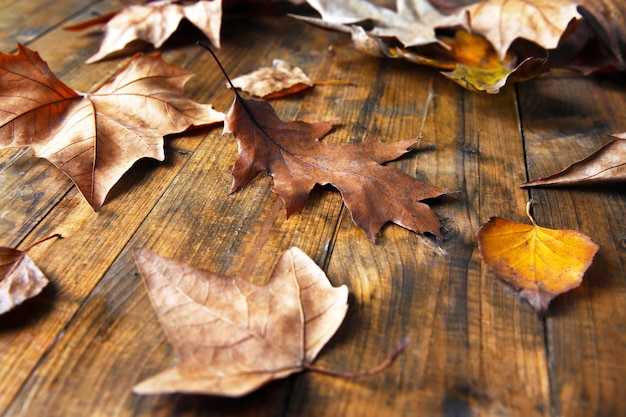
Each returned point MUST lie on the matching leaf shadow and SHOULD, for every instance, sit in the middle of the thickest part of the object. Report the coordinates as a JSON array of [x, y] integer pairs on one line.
[[30, 311], [271, 398], [138, 173], [144, 168]]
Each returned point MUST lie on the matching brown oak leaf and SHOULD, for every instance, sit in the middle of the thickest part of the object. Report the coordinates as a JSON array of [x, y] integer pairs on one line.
[[94, 138], [607, 164], [542, 263], [292, 153], [231, 336], [154, 23], [279, 80], [20, 278]]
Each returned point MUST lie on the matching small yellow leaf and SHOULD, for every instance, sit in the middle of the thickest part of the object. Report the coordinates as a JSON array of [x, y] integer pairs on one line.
[[480, 69], [541, 262]]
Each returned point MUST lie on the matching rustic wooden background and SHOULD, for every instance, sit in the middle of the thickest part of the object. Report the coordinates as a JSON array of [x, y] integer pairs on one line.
[[475, 349]]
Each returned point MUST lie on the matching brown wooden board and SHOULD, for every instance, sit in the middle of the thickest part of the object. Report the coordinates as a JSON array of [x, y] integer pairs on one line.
[[475, 349]]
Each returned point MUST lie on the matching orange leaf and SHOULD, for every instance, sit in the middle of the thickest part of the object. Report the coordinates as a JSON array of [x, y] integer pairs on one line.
[[232, 336], [479, 68], [95, 138], [541, 262]]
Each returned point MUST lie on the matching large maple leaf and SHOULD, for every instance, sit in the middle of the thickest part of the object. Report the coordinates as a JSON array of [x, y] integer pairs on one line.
[[232, 336], [94, 138], [154, 23], [292, 153]]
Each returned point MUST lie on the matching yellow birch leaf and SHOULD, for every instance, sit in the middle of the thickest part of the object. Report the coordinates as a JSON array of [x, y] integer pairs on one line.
[[542, 263]]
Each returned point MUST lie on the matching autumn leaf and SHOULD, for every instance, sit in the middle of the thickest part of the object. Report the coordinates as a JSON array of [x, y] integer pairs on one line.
[[413, 23], [503, 21], [292, 153], [468, 58], [20, 278], [279, 80], [154, 23], [598, 44], [479, 68], [231, 336], [542, 263], [94, 138], [607, 164]]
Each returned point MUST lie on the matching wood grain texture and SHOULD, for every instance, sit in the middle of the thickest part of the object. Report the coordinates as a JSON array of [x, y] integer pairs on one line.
[[475, 348], [584, 355]]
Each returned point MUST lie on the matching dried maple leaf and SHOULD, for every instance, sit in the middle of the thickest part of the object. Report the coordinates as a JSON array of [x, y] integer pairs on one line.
[[607, 164], [154, 23], [292, 153], [96, 137], [541, 262], [540, 21], [279, 80], [232, 336], [20, 278]]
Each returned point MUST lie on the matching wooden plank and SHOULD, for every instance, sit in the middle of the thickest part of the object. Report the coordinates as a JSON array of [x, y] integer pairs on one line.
[[25, 21], [195, 221], [92, 240], [476, 349], [564, 120]]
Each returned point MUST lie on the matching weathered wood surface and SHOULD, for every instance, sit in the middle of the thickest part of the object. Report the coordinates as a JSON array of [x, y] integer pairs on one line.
[[475, 349]]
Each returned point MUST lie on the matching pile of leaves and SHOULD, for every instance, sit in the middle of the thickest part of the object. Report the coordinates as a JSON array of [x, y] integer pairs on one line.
[[484, 45], [96, 137]]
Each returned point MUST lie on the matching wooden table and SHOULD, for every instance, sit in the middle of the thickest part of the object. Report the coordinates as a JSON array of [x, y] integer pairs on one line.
[[475, 348]]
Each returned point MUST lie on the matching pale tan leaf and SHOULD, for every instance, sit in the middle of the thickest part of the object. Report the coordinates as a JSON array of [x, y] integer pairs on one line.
[[156, 21], [539, 21], [232, 336], [413, 23], [279, 80]]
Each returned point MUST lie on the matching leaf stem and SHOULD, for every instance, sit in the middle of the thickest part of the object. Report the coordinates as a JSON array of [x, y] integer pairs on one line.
[[528, 206], [244, 103], [400, 347], [56, 235], [219, 64]]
